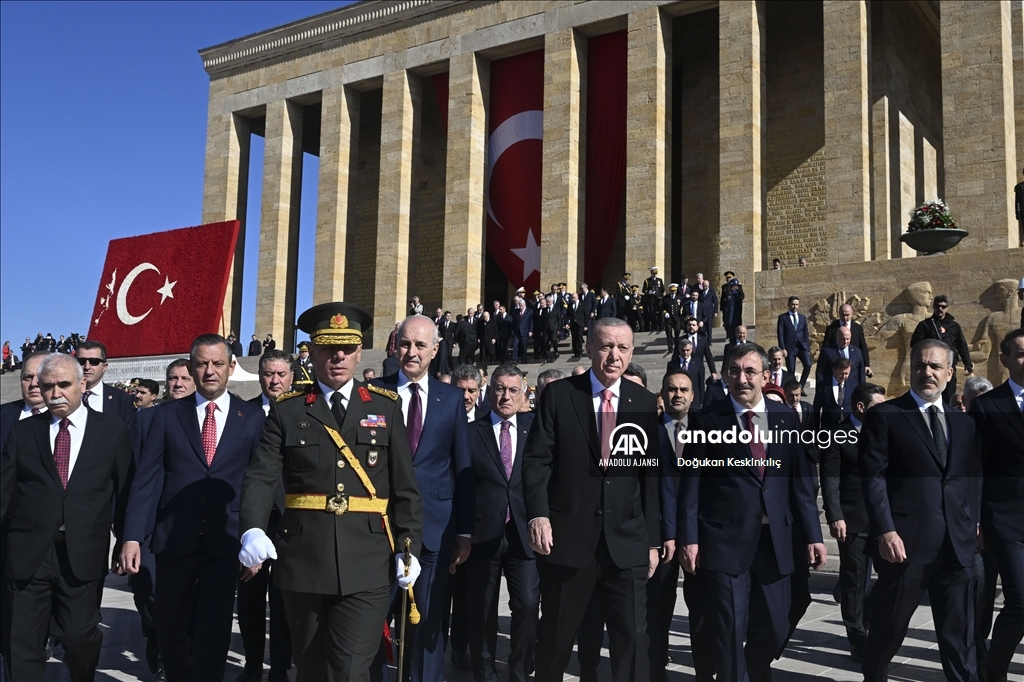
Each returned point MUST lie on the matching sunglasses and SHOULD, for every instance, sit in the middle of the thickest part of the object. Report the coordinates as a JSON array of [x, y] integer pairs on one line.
[[941, 306], [95, 362]]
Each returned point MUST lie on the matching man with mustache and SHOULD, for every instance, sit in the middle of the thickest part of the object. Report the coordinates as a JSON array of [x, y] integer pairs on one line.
[[59, 536], [918, 463]]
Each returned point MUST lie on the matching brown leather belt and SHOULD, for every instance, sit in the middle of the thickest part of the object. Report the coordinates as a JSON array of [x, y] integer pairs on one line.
[[337, 503]]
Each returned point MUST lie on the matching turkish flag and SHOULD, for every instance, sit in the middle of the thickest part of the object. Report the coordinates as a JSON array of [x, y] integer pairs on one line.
[[516, 130], [159, 291]]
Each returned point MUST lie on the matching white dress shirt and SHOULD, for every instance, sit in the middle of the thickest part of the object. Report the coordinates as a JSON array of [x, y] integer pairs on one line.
[[760, 414], [1018, 393], [220, 415], [96, 399], [76, 429], [496, 421], [266, 404], [923, 405], [406, 395], [345, 391], [595, 389], [26, 411], [856, 422]]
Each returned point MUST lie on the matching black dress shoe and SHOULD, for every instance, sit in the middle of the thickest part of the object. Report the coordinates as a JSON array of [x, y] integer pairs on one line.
[[278, 675], [460, 659], [152, 655], [250, 673]]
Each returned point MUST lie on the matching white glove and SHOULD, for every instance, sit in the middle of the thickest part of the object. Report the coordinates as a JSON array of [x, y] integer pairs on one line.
[[406, 581], [256, 548]]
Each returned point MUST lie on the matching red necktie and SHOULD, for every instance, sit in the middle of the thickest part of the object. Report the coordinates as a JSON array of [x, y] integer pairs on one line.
[[756, 447], [210, 432], [607, 419], [62, 451]]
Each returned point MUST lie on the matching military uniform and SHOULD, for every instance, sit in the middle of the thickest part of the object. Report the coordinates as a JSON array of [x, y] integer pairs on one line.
[[672, 317], [303, 374], [654, 291], [335, 559]]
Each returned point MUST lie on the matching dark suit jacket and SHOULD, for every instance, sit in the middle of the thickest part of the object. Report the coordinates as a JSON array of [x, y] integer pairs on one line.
[[607, 308], [255, 348], [827, 358], [323, 553], [562, 479], [589, 302], [856, 339], [1001, 429], [190, 498], [10, 413], [906, 489], [119, 404], [669, 484], [825, 410], [793, 339], [466, 333], [720, 507], [840, 479], [701, 316], [522, 322], [696, 373], [84, 508], [444, 465], [579, 317], [496, 493], [714, 391], [786, 376]]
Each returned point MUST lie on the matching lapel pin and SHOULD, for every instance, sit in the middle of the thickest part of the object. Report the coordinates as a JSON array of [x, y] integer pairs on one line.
[[240, 413]]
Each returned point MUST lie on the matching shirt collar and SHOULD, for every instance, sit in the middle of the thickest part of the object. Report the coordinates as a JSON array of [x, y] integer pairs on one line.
[[923, 405], [759, 408], [497, 419], [669, 421], [1016, 389], [404, 381], [76, 418], [596, 386], [345, 390], [222, 403], [264, 400], [25, 407]]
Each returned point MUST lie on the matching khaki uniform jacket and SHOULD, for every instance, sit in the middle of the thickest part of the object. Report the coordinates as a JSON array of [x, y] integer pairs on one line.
[[319, 552]]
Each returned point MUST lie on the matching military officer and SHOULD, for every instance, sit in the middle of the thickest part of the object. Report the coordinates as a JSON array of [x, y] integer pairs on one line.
[[654, 291], [623, 296], [303, 374], [672, 316], [341, 449]]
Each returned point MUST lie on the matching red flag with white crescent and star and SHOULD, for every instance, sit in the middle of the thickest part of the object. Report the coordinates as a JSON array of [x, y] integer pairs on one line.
[[159, 291], [516, 129]]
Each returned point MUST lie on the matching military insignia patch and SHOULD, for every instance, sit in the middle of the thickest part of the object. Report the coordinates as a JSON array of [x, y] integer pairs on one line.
[[364, 394], [383, 391], [303, 425], [310, 398], [371, 458], [339, 321], [374, 421], [286, 396]]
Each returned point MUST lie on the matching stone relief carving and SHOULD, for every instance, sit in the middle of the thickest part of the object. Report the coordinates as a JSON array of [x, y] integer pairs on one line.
[[826, 310], [1001, 299]]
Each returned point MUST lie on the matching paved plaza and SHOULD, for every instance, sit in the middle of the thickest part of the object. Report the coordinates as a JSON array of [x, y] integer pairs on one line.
[[817, 650]]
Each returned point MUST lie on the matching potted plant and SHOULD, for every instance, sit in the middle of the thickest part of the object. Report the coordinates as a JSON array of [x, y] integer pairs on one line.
[[932, 229]]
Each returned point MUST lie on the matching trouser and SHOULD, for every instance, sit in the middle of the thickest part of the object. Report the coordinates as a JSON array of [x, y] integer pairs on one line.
[[805, 360], [335, 637], [854, 570], [565, 592], [1008, 630], [950, 390], [701, 642], [896, 596], [672, 333], [252, 621], [576, 332], [661, 602], [206, 582], [54, 592]]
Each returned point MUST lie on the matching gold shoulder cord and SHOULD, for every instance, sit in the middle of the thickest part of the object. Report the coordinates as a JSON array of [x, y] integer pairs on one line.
[[346, 451]]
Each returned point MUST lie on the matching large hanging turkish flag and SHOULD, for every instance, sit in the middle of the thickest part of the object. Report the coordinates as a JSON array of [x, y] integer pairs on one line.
[[159, 291], [515, 131]]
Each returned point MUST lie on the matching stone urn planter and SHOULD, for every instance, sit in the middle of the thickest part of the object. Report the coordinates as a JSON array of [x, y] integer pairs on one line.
[[934, 241]]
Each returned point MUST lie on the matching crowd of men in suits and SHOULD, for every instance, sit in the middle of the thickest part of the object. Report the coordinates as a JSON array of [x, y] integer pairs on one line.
[[341, 501]]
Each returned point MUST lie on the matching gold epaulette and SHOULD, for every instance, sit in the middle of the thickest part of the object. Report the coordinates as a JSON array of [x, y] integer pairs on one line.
[[393, 395], [289, 394]]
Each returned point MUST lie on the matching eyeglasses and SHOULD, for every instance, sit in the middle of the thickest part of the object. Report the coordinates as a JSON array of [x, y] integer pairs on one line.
[[512, 391], [941, 306], [748, 372], [95, 362]]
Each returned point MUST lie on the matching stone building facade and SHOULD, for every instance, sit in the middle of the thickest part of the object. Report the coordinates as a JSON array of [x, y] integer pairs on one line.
[[755, 129]]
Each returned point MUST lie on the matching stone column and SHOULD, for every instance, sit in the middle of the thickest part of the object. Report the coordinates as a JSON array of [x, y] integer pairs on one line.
[[464, 223], [401, 97], [225, 191], [979, 140], [561, 212], [1017, 32], [339, 135], [847, 132], [881, 249], [741, 97], [647, 140], [279, 225]]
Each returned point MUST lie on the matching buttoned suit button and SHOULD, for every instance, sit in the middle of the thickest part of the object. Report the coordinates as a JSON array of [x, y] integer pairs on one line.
[[599, 512]]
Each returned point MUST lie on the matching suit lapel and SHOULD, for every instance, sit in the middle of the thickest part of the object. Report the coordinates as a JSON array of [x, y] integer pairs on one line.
[[45, 450], [85, 453], [1007, 404], [485, 430], [433, 407], [190, 425], [916, 419], [725, 422], [523, 431], [232, 422], [584, 409]]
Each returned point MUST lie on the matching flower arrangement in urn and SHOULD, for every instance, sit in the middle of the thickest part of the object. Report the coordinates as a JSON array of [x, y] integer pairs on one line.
[[932, 215], [931, 229]]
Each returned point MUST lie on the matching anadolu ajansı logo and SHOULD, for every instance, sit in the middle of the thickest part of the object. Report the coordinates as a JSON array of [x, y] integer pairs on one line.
[[628, 440]]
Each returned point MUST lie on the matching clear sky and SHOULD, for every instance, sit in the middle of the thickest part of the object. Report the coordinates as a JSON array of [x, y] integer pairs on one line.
[[102, 135]]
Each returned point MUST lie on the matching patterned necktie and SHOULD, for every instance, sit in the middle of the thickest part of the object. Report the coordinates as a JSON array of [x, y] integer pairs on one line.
[[756, 446], [841, 399], [86, 396], [35, 411], [938, 435], [793, 315], [415, 425], [505, 440], [679, 445], [62, 451], [607, 424], [338, 408], [210, 433]]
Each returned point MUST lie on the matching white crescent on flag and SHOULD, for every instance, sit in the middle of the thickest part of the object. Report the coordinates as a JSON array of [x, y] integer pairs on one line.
[[526, 125]]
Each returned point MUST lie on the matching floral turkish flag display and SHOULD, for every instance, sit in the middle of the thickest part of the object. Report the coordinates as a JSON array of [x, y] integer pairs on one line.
[[159, 291], [515, 131]]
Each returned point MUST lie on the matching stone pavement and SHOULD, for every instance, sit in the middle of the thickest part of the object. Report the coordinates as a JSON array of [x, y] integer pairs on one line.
[[817, 650]]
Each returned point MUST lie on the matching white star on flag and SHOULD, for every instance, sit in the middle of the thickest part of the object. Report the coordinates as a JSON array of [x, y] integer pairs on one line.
[[167, 290], [529, 254]]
